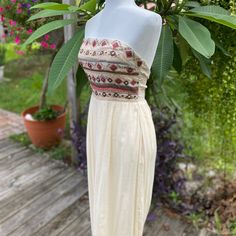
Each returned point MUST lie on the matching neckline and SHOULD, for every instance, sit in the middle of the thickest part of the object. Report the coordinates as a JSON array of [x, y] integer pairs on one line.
[[126, 45]]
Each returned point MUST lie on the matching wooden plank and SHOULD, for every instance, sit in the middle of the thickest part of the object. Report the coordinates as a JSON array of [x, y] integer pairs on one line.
[[15, 159], [151, 228], [79, 226], [9, 144], [65, 218], [36, 205], [27, 190], [167, 228], [5, 142], [15, 180], [168, 224], [43, 217], [34, 165], [89, 232], [32, 160], [191, 230], [12, 150]]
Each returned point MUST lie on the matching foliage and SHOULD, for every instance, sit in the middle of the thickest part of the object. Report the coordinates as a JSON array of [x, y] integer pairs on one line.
[[46, 113], [79, 140], [22, 138], [185, 33], [169, 182], [60, 152], [26, 81], [213, 101], [14, 14], [233, 227], [2, 54], [19, 10]]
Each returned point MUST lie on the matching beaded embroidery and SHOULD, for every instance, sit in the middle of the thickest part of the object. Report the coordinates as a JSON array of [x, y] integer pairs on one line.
[[113, 68]]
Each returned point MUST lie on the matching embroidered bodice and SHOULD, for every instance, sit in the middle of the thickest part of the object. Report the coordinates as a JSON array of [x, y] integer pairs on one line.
[[114, 69]]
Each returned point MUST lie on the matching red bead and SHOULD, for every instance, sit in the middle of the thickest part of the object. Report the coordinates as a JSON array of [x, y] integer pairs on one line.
[[113, 67], [130, 69], [118, 81], [94, 43], [129, 53], [115, 45], [139, 63]]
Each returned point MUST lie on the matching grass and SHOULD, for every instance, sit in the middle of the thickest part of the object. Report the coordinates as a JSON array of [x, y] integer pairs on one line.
[[61, 152], [18, 94], [23, 81], [21, 87]]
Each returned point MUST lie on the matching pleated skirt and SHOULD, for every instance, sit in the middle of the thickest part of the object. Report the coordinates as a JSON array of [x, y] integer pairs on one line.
[[121, 154]]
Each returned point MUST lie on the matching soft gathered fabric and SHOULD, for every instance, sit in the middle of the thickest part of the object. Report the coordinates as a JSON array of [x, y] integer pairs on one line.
[[121, 139]]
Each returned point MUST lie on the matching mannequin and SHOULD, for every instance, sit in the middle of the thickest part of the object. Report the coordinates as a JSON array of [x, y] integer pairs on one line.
[[125, 21], [117, 53]]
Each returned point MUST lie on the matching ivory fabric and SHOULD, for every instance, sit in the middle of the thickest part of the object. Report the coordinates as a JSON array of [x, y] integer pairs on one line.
[[121, 139]]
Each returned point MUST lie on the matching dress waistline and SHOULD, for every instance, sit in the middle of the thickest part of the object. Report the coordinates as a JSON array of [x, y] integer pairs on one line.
[[140, 97]]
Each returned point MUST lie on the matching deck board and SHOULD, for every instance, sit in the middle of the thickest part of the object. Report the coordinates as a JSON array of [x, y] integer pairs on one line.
[[64, 219], [44, 197]]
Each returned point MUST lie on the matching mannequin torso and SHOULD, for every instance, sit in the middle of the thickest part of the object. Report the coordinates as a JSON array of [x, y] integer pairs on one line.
[[123, 20]]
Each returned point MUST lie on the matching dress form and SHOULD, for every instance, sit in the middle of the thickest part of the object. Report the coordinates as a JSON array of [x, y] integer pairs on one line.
[[125, 21], [120, 177]]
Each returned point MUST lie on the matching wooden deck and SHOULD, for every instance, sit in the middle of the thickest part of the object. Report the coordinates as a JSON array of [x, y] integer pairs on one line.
[[10, 123], [43, 197]]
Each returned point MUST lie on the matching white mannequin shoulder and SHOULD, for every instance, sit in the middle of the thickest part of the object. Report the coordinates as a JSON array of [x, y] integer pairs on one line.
[[137, 27]]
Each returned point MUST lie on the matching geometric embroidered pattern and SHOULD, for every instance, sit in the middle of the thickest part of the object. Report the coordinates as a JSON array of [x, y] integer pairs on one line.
[[114, 69]]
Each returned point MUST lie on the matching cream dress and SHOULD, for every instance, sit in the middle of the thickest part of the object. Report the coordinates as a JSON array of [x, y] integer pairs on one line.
[[121, 138]]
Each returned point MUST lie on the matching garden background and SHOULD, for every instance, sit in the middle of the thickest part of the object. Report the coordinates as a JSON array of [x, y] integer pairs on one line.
[[193, 98]]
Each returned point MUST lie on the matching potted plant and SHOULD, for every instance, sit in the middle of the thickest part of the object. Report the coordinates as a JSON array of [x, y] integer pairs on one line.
[[45, 124], [2, 60]]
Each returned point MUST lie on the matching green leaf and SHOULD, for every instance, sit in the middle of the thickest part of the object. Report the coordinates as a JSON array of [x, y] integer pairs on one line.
[[51, 6], [192, 4], [48, 28], [205, 63], [220, 46], [184, 49], [66, 57], [177, 61], [197, 35], [48, 13], [211, 9], [214, 13], [73, 8], [217, 221], [164, 55], [82, 80], [89, 6]]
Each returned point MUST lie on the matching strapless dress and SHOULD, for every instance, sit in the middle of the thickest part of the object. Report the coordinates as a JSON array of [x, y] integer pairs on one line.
[[121, 140]]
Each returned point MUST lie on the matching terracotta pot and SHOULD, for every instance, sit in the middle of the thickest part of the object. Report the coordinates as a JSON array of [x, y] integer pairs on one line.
[[45, 134]]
